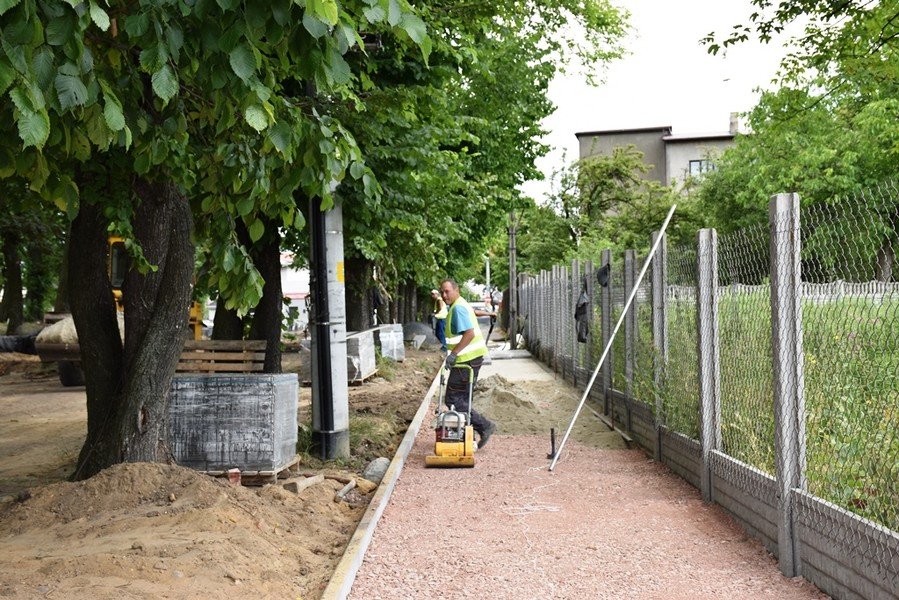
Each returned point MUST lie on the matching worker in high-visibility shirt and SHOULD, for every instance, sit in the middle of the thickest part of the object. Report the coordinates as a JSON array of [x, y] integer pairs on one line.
[[439, 312], [466, 345]]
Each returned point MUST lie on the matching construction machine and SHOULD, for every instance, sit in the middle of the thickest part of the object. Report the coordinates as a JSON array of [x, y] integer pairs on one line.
[[454, 443]]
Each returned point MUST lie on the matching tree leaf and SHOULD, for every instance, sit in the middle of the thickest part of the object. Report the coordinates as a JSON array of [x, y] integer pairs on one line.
[[242, 61], [137, 25], [112, 112], [256, 117], [99, 16], [7, 75], [374, 14], [70, 90], [280, 137], [314, 25], [324, 10], [60, 29], [165, 84], [394, 12], [415, 27], [34, 128], [245, 206], [256, 230], [42, 63], [5, 5]]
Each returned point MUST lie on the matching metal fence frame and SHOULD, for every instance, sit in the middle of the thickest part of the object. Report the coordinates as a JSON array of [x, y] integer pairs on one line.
[[843, 553]]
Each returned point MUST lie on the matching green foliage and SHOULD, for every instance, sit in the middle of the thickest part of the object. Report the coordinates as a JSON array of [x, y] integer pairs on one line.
[[601, 202], [208, 95]]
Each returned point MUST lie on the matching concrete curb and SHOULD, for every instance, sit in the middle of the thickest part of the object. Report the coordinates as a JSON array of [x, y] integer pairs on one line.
[[345, 574]]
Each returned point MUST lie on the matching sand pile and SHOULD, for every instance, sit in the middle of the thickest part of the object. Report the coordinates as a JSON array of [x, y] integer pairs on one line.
[[535, 407], [148, 530]]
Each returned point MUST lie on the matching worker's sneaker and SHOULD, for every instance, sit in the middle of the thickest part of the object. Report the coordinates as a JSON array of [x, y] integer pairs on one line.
[[485, 435]]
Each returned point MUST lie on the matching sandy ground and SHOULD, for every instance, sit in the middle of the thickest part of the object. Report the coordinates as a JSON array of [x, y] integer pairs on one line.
[[607, 523], [159, 531]]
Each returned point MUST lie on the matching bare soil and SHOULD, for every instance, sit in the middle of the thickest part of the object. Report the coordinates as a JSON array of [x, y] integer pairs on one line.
[[163, 531], [606, 523]]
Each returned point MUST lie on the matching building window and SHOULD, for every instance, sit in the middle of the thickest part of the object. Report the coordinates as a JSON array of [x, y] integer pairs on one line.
[[698, 167]]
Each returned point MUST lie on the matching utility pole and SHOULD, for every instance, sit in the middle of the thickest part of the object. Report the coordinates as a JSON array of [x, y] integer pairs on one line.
[[330, 395], [487, 267], [513, 285]]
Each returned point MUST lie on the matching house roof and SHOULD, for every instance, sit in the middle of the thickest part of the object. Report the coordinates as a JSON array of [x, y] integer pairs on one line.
[[697, 137], [664, 129]]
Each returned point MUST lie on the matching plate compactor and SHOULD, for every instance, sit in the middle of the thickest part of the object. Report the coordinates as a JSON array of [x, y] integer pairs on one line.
[[454, 443]]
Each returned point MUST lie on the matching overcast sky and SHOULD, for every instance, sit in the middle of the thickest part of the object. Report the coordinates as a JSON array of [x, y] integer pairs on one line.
[[668, 78]]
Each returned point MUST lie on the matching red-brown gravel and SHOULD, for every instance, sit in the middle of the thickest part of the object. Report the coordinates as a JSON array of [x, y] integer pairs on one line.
[[605, 524]]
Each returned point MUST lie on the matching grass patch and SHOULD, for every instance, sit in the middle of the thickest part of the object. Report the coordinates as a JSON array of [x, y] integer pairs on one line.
[[371, 436]]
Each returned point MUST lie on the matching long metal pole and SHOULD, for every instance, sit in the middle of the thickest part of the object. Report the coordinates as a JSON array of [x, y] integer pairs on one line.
[[605, 352]]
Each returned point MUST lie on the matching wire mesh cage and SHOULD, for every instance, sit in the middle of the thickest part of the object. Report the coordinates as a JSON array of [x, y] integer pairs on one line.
[[744, 330], [680, 382], [850, 324]]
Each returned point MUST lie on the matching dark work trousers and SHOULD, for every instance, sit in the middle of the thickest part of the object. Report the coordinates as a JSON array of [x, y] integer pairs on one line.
[[440, 332], [457, 392]]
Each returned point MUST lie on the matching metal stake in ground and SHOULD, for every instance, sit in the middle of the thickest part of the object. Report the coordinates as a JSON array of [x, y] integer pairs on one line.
[[605, 352]]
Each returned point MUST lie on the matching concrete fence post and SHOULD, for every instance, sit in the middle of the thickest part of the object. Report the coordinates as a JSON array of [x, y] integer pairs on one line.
[[707, 326], [630, 334], [575, 292], [789, 382], [588, 348], [607, 332], [554, 317], [659, 332]]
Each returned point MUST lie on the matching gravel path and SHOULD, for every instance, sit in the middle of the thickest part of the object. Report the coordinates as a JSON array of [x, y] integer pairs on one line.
[[606, 524]]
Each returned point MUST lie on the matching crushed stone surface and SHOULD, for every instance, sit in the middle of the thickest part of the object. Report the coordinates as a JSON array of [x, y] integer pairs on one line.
[[607, 523]]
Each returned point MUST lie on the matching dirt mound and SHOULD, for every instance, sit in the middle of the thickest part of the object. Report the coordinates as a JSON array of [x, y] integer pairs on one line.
[[149, 529], [535, 407]]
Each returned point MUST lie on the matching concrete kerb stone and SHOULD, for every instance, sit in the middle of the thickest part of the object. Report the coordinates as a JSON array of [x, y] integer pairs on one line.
[[345, 574]]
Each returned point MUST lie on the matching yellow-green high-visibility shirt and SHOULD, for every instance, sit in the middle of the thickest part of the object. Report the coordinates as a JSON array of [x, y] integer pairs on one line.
[[465, 319]]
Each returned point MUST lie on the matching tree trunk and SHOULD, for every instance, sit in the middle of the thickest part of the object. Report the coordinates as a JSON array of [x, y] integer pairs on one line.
[[62, 289], [102, 361], [269, 312], [359, 305], [12, 309], [128, 391], [227, 325]]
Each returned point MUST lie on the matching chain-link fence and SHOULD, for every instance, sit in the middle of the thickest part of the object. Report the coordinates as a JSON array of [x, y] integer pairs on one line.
[[762, 366]]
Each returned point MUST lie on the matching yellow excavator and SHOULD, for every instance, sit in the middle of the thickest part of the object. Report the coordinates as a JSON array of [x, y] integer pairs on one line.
[[117, 267], [67, 356]]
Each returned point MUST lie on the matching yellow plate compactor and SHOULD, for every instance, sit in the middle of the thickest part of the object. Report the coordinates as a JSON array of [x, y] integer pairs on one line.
[[454, 443]]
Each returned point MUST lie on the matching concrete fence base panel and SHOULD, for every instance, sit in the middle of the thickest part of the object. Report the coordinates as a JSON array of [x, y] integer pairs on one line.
[[682, 455], [749, 495], [857, 557], [643, 428]]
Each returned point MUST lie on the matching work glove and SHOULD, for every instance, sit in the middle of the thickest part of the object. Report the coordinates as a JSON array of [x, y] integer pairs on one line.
[[450, 360]]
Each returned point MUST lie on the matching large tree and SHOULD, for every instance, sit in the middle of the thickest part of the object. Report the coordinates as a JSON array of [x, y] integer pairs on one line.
[[450, 141], [138, 117]]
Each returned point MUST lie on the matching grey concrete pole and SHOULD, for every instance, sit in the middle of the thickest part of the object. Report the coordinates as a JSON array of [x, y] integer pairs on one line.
[[575, 292], [659, 331], [707, 346], [789, 378], [588, 350], [330, 396], [630, 334], [606, 300]]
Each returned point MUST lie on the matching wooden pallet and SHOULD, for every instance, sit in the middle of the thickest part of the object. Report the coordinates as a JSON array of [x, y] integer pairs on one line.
[[222, 356], [258, 478], [350, 382]]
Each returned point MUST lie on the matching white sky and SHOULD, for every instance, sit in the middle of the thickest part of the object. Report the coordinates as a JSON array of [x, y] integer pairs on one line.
[[667, 78]]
